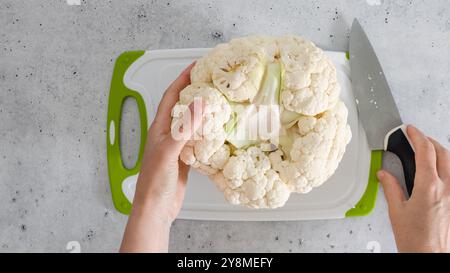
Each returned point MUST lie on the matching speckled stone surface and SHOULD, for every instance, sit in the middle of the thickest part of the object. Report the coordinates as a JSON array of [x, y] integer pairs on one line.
[[56, 62]]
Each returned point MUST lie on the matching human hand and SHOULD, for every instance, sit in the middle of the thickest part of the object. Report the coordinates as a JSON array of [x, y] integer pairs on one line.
[[163, 176], [161, 184], [422, 223]]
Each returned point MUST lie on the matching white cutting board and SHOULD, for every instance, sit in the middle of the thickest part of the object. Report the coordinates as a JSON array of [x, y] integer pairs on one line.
[[156, 69]]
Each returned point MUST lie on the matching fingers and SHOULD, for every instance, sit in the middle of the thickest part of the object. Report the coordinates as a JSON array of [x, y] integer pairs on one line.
[[425, 155], [443, 159], [171, 97], [392, 190], [185, 128]]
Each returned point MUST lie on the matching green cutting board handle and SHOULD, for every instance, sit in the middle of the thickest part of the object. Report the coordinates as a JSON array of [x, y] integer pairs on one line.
[[118, 94]]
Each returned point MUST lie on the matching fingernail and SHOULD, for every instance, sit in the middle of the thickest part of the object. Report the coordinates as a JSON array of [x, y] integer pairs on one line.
[[380, 174], [188, 68], [412, 127]]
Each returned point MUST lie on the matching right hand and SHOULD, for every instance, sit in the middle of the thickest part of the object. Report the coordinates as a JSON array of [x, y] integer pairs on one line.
[[422, 223]]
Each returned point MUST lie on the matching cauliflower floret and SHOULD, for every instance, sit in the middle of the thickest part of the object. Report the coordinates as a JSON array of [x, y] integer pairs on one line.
[[202, 70], [311, 85], [238, 73], [268, 43], [216, 110], [315, 155], [220, 157], [216, 158], [306, 124], [277, 193], [211, 136], [236, 69], [247, 179]]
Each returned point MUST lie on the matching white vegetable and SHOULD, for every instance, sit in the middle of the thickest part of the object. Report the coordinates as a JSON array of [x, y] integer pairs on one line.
[[216, 112], [316, 151], [236, 69], [311, 85], [286, 84], [248, 179]]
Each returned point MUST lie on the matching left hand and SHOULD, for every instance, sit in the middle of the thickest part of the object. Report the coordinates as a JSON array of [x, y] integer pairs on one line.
[[162, 181], [163, 175]]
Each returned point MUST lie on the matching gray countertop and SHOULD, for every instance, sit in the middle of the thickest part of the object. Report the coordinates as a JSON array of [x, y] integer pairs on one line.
[[56, 62]]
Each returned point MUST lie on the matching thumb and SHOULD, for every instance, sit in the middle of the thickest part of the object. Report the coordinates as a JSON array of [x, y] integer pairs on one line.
[[184, 129], [392, 190]]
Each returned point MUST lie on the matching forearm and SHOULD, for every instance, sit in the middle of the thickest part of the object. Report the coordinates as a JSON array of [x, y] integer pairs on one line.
[[146, 231]]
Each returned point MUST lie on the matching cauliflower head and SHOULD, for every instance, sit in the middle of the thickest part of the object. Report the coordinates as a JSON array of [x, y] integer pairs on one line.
[[272, 121]]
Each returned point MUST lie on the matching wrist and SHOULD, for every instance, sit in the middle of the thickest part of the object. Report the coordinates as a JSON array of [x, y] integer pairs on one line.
[[154, 210], [147, 230]]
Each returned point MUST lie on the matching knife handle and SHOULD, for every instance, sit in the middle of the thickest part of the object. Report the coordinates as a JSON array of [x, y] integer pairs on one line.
[[397, 142]]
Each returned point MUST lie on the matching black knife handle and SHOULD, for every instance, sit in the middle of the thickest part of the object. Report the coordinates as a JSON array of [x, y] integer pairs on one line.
[[398, 143]]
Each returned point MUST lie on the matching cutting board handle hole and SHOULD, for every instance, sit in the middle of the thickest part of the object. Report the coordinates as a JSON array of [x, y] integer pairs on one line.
[[130, 133]]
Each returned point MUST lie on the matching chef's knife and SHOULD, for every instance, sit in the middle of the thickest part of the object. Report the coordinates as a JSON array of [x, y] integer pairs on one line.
[[376, 106]]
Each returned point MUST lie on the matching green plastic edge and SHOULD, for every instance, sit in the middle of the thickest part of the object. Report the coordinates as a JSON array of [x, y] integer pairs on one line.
[[367, 202], [118, 93]]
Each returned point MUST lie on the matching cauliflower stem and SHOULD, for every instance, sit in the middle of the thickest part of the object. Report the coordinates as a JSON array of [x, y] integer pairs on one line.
[[268, 96]]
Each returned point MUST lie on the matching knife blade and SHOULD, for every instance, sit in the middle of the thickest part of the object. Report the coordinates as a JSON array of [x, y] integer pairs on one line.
[[376, 106]]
